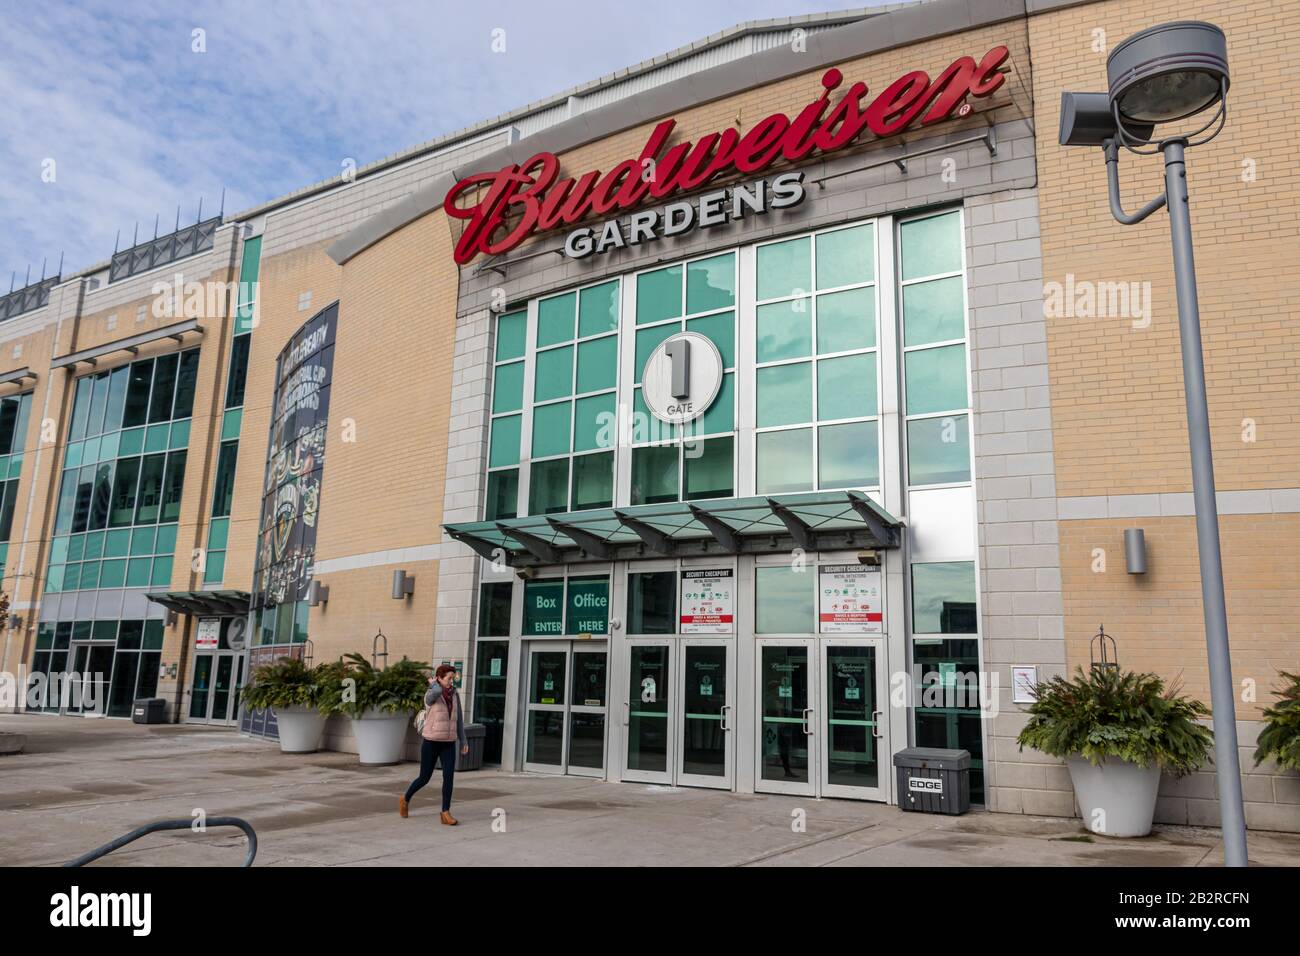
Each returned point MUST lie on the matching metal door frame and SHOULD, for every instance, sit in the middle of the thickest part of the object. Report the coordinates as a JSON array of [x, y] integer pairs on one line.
[[808, 789], [561, 708], [576, 648], [880, 731], [678, 715], [664, 777]]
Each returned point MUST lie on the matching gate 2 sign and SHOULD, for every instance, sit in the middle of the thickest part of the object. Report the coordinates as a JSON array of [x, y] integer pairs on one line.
[[682, 377]]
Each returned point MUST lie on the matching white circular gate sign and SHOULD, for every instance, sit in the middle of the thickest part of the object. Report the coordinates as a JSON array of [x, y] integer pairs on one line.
[[682, 377]]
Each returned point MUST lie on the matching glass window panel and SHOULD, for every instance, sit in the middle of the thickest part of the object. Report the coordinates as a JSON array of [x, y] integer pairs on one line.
[[223, 492], [131, 441], [721, 330], [598, 309], [846, 387], [98, 402], [117, 397], [10, 494], [122, 508], [936, 379], [783, 600], [551, 429], [783, 330], [80, 410], [593, 481], [933, 311], [647, 340], [162, 571], [237, 377], [938, 450], [846, 256], [784, 461], [505, 441], [502, 495], [20, 426], [180, 437], [186, 378], [548, 487], [512, 333], [173, 486], [598, 364], [711, 283], [848, 456], [554, 374], [85, 489], [785, 394], [8, 416], [137, 394], [165, 543], [116, 545], [594, 424], [709, 471], [659, 295], [652, 602], [587, 606], [654, 474], [721, 415], [164, 386], [508, 388], [784, 268], [149, 497], [943, 598], [113, 574], [556, 319], [846, 320], [647, 427], [100, 497], [76, 547], [931, 245], [494, 609], [218, 534], [142, 540]]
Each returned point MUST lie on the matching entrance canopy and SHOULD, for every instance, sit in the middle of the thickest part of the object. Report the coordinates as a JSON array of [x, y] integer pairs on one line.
[[815, 521], [203, 603]]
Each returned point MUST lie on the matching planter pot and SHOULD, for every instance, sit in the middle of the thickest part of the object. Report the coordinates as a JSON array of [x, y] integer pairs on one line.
[[300, 729], [1116, 798], [381, 737]]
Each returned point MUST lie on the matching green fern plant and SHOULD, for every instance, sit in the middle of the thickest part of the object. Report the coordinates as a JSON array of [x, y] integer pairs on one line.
[[285, 682], [397, 688], [1129, 716], [1280, 738]]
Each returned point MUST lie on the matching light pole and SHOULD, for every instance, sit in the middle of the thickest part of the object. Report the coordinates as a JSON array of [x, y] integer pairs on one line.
[[1161, 75]]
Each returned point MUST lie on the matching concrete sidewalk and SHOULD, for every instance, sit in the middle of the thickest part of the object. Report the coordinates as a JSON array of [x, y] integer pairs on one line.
[[83, 782]]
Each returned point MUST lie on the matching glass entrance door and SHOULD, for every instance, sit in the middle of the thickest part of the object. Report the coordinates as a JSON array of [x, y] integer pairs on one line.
[[87, 692], [786, 696], [566, 708], [854, 704], [646, 714], [704, 751]]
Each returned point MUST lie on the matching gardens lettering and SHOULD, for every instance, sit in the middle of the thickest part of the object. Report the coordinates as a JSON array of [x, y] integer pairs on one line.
[[523, 199]]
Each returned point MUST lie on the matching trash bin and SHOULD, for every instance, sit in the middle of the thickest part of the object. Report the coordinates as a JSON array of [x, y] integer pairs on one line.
[[149, 710], [931, 780], [475, 734]]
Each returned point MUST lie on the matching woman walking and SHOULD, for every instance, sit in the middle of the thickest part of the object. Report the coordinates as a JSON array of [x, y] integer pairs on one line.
[[444, 728]]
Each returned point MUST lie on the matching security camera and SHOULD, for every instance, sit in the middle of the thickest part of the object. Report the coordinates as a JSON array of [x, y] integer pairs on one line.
[[871, 558]]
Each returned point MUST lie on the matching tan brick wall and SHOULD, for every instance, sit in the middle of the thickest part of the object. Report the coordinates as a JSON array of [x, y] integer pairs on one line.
[[1117, 396]]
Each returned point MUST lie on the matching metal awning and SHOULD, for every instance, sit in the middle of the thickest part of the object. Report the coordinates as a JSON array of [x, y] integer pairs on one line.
[[132, 344], [814, 521], [18, 376], [203, 603]]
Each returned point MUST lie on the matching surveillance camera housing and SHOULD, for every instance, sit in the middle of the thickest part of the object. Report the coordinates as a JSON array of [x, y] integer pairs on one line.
[[1086, 120], [869, 558]]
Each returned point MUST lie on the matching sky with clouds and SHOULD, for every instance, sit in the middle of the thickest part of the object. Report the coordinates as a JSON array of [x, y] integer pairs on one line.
[[110, 117]]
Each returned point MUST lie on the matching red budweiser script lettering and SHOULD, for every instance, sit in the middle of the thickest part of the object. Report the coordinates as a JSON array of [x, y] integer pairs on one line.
[[520, 200]]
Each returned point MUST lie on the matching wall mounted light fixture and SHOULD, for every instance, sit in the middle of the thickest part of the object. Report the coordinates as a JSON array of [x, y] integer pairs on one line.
[[403, 585], [317, 593], [1135, 550]]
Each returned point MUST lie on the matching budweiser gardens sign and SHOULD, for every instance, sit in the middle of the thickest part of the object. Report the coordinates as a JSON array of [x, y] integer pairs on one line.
[[505, 207]]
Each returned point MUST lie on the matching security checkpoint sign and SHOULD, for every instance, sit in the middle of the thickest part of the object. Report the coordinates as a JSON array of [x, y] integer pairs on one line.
[[849, 600], [708, 602], [208, 635]]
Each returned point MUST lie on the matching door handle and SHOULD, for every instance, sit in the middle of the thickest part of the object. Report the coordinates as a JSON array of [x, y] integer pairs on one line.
[[875, 724], [807, 728], [726, 712], [627, 713]]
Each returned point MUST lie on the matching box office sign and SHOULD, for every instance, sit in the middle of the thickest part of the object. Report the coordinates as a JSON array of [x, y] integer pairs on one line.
[[708, 602], [584, 612], [588, 606], [505, 207], [544, 608], [849, 600]]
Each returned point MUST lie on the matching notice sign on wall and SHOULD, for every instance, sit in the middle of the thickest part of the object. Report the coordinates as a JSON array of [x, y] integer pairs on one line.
[[708, 602], [849, 600], [208, 635]]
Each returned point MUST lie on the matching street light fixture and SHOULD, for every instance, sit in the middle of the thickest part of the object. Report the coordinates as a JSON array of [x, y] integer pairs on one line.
[[1162, 75]]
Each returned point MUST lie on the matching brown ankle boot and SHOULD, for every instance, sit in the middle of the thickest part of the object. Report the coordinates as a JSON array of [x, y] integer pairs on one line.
[[402, 806], [448, 819]]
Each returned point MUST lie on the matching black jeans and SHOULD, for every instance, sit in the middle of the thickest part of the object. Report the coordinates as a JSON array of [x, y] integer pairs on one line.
[[430, 752]]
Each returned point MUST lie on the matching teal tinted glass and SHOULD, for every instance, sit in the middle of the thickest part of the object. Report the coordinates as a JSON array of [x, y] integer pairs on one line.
[[784, 394], [936, 379], [647, 427], [502, 495], [508, 388], [711, 283], [933, 311], [785, 461], [938, 450], [598, 364], [848, 456], [659, 295], [784, 600], [551, 429], [131, 441], [654, 474], [598, 309], [166, 540], [594, 422], [784, 268], [543, 607], [553, 374], [548, 487], [511, 335], [846, 386], [709, 469], [931, 246], [846, 256], [720, 329], [783, 330], [593, 481], [505, 441], [721, 415], [943, 598], [846, 320], [556, 319], [646, 342]]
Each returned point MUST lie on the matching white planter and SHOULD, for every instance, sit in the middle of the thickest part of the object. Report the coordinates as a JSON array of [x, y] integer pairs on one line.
[[381, 737], [300, 729], [1116, 798]]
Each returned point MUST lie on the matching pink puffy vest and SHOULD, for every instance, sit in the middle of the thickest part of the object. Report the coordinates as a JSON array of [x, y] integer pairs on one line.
[[438, 725]]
